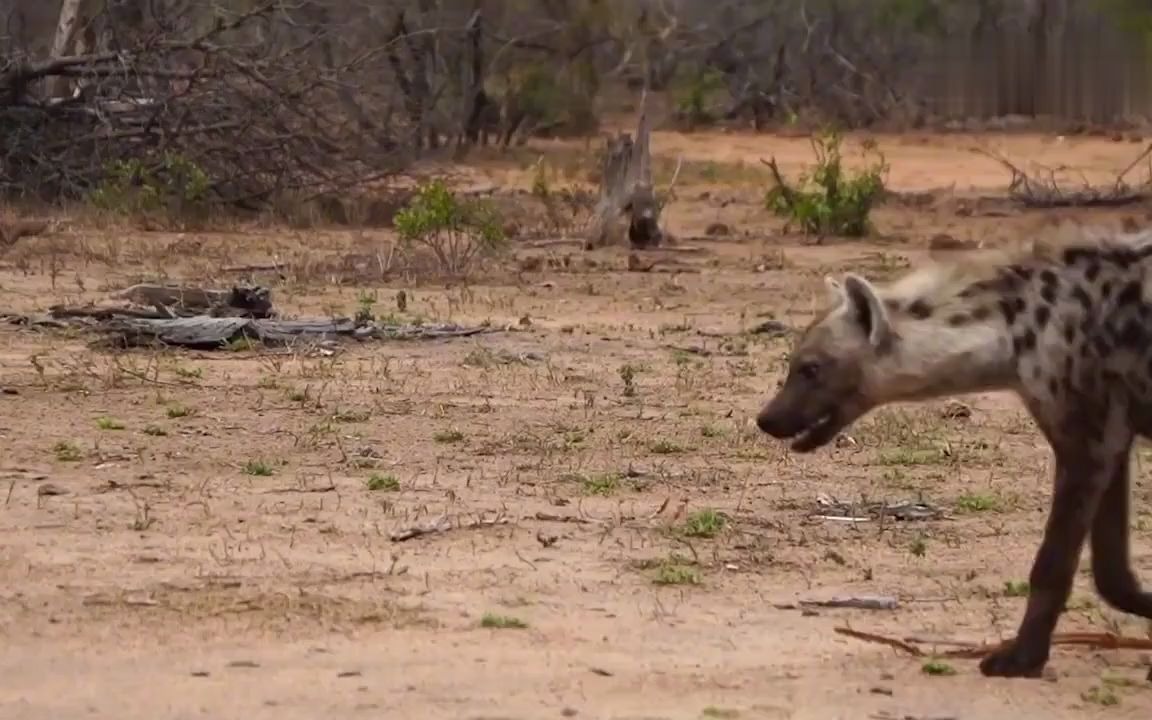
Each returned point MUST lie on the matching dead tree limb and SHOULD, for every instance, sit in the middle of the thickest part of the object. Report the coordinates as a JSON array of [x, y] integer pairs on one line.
[[1046, 192], [626, 190]]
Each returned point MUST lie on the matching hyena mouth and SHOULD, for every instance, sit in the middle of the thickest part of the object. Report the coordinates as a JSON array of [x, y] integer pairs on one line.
[[817, 434]]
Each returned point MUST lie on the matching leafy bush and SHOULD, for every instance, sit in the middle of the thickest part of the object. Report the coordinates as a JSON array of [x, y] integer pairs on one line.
[[691, 93], [172, 184], [456, 231], [830, 201]]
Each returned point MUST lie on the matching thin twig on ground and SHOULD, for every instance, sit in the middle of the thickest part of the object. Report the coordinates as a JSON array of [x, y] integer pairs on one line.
[[444, 524]]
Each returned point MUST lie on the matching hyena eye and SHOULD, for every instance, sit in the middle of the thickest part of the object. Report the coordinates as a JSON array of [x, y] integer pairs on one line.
[[809, 370]]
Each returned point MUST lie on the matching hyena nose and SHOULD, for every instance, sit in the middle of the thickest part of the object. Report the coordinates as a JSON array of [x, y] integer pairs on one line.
[[767, 424]]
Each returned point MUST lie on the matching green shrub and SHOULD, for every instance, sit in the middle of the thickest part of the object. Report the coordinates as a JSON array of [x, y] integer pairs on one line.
[[170, 183], [830, 201], [456, 231]]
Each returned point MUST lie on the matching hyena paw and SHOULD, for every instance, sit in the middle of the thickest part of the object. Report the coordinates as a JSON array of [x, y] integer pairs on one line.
[[1015, 660]]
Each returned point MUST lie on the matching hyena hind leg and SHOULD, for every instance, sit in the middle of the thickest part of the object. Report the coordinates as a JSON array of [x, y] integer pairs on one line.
[[1112, 571]]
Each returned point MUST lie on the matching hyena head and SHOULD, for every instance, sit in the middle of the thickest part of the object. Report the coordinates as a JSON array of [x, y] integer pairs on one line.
[[831, 373]]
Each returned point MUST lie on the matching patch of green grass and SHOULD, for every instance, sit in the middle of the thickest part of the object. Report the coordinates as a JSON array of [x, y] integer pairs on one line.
[[1016, 588], [502, 622], [257, 468], [721, 713], [913, 456], [711, 431], [919, 547], [603, 484], [189, 373], [705, 523], [107, 423], [1100, 695], [937, 668], [178, 411], [977, 502], [675, 571], [448, 437], [67, 452], [386, 483], [351, 416], [665, 447], [154, 431]]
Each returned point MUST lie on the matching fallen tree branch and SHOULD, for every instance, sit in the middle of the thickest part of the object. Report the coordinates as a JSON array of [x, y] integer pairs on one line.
[[973, 651], [1036, 192]]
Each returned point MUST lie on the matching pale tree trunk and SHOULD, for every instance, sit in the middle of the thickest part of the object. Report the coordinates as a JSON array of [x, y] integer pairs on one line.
[[65, 29]]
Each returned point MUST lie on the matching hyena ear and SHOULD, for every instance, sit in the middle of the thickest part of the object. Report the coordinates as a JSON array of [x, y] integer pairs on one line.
[[868, 309]]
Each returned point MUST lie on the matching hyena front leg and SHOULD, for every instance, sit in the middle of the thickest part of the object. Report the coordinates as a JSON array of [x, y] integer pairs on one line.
[[1080, 482], [1111, 558]]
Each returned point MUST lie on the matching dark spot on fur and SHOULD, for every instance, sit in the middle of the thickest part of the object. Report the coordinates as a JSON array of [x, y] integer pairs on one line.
[[1102, 346], [1130, 294], [1021, 272], [1082, 297], [892, 305], [1048, 292], [1092, 272], [1132, 335], [1048, 277], [1122, 257], [1042, 315], [1053, 386], [981, 313], [1029, 339], [1074, 255], [1106, 290], [1069, 331], [1008, 309], [959, 319], [920, 310]]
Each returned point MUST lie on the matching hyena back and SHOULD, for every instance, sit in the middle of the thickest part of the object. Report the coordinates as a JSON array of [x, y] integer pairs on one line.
[[1069, 330]]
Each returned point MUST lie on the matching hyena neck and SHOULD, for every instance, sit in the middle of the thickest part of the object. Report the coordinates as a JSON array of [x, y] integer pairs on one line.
[[931, 359]]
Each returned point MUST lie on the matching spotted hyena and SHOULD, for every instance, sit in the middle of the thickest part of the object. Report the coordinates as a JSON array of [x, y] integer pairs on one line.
[[1068, 329]]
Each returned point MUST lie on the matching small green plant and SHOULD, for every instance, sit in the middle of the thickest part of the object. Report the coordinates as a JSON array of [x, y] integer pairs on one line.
[[711, 431], [1101, 695], [365, 302], [691, 93], [168, 182], [257, 468], [937, 668], [178, 411], [665, 447], [704, 524], [919, 547], [382, 483], [189, 373], [67, 452], [154, 430], [628, 377], [107, 423], [502, 622], [456, 231], [830, 201], [448, 437], [975, 503], [674, 571], [603, 485], [1016, 588]]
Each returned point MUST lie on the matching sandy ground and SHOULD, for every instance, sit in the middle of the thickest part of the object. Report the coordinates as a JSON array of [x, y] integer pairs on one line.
[[207, 534]]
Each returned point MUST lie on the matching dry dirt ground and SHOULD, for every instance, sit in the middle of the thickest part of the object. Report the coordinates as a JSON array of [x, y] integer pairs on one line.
[[207, 534]]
